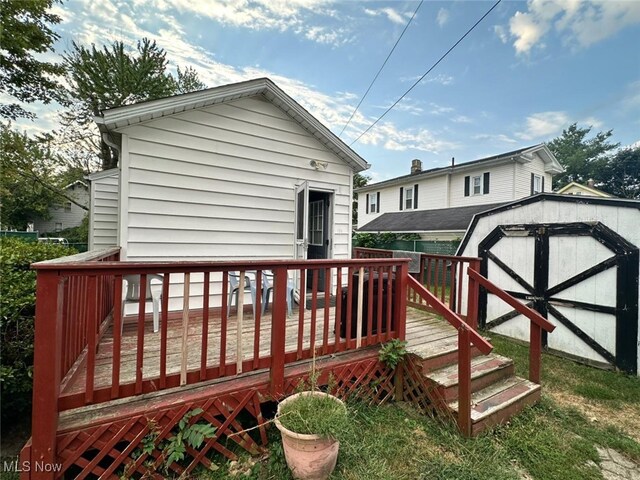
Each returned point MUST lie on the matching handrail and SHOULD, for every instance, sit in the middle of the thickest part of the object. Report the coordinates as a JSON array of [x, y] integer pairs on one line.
[[432, 255], [476, 339], [90, 256], [528, 312]]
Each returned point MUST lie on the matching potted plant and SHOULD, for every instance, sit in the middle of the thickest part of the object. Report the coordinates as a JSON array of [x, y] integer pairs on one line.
[[310, 423]]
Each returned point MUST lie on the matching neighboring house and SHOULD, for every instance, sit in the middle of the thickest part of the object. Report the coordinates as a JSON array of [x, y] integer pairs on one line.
[[573, 259], [575, 188], [67, 214], [240, 171], [408, 203]]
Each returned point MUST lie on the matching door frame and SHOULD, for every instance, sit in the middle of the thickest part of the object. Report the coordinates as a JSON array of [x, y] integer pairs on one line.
[[541, 297]]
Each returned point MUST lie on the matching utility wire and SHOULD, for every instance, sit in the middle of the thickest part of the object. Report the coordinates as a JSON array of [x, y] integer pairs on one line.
[[377, 74], [427, 72]]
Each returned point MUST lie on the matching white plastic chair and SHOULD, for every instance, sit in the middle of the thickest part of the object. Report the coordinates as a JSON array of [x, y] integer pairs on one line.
[[131, 285], [234, 290], [267, 289]]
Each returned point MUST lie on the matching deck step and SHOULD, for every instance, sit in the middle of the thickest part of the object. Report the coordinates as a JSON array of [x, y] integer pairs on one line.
[[446, 355], [499, 402], [485, 371]]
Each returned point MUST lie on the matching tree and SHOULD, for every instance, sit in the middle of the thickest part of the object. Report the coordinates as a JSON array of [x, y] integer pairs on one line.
[[26, 170], [25, 27], [113, 76], [358, 181], [581, 158], [621, 174]]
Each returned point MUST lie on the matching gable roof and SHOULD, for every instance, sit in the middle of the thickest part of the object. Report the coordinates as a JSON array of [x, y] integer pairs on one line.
[[585, 188], [522, 155], [119, 117], [442, 219], [541, 197], [77, 182]]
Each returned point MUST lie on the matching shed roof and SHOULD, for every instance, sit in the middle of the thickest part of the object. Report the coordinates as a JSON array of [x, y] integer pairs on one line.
[[119, 117], [442, 219]]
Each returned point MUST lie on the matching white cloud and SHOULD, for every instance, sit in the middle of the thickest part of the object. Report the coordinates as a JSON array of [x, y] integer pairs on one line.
[[494, 138], [280, 15], [439, 109], [391, 138], [443, 17], [543, 124], [461, 119], [393, 15], [441, 78], [501, 33], [580, 23]]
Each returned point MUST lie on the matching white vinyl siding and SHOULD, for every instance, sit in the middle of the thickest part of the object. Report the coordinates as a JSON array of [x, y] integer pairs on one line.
[[103, 218], [219, 184], [500, 185], [523, 176]]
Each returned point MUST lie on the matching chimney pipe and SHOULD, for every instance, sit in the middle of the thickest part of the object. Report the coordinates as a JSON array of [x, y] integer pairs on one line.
[[590, 183], [416, 166], [453, 161]]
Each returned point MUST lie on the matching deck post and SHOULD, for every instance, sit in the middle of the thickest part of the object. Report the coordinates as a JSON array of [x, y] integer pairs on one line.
[[535, 352], [473, 296], [464, 381], [47, 364], [278, 331], [400, 299]]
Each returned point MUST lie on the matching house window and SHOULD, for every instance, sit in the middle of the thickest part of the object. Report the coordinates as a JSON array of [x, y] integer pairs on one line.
[[373, 203], [537, 184], [316, 222], [67, 206], [408, 198], [477, 185], [58, 227]]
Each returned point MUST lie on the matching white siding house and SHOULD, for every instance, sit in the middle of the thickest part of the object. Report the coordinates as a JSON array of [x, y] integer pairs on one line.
[[390, 206], [67, 214], [575, 260], [215, 174], [103, 215]]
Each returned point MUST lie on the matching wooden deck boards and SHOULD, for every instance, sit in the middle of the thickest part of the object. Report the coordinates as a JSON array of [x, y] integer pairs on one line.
[[425, 333]]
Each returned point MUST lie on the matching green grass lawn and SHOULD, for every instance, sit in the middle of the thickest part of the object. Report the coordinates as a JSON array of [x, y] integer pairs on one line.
[[582, 408]]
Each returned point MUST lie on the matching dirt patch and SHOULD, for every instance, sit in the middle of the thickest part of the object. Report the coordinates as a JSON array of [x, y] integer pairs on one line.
[[626, 417]]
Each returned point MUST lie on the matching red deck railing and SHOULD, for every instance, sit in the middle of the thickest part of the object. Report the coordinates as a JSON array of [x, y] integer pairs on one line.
[[442, 275], [79, 298]]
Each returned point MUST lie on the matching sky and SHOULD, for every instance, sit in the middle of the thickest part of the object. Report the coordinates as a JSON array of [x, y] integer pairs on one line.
[[527, 71]]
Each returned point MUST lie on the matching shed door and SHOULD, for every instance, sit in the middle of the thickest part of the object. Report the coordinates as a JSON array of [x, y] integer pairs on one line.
[[583, 277]]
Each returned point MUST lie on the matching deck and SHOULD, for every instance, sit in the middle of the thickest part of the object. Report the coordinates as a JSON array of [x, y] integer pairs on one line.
[[425, 333]]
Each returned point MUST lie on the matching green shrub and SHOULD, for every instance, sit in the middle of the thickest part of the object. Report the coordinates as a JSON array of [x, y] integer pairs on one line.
[[17, 309]]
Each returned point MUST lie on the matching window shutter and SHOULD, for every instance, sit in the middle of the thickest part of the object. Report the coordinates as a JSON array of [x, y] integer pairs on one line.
[[401, 192], [378, 202], [467, 180], [542, 183], [485, 183], [415, 196], [533, 179], [368, 203]]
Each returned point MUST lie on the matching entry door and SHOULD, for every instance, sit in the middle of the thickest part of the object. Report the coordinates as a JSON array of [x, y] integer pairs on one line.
[[318, 234], [581, 276]]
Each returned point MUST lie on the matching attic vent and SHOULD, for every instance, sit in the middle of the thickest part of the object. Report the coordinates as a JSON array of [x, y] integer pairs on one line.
[[416, 166]]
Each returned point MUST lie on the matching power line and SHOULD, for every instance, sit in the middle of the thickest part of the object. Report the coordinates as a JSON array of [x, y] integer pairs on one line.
[[377, 74], [427, 72]]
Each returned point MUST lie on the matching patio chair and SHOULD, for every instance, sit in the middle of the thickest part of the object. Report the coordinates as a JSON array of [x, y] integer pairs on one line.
[[249, 286], [267, 289], [131, 284]]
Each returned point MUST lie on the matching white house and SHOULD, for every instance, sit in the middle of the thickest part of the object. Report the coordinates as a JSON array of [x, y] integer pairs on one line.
[[575, 188], [67, 214], [439, 203], [240, 171]]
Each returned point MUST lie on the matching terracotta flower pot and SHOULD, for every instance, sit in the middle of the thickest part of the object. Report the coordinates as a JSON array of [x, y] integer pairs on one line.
[[309, 457]]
